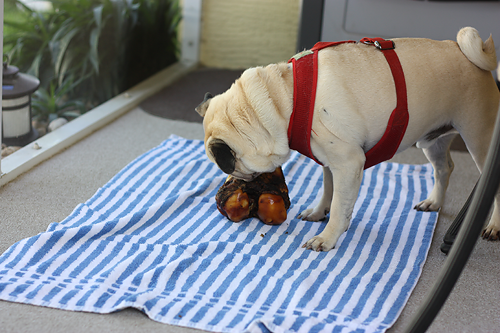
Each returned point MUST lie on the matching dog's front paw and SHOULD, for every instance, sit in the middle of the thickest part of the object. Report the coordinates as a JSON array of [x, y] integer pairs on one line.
[[428, 205], [318, 243], [313, 214]]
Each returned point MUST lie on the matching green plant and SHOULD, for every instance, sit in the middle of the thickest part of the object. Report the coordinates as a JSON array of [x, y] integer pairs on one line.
[[105, 46], [13, 14], [53, 102]]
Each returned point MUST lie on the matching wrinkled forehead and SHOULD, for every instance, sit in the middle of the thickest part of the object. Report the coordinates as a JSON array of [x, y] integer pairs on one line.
[[208, 119], [216, 122]]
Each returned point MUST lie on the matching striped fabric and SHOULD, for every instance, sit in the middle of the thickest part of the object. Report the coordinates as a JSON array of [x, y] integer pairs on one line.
[[153, 239]]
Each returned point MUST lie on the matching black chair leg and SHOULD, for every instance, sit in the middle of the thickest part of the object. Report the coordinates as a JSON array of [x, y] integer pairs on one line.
[[453, 230]]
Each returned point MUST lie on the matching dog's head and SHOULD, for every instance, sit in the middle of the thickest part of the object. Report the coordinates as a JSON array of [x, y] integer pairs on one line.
[[244, 133]]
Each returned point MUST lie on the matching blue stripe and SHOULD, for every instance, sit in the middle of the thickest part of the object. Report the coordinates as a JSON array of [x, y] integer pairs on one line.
[[6, 255], [72, 293], [27, 245], [154, 280], [52, 293], [113, 253], [183, 266], [131, 251], [42, 267], [19, 290], [155, 263], [134, 265], [103, 299], [83, 247], [68, 222], [82, 301], [32, 294]]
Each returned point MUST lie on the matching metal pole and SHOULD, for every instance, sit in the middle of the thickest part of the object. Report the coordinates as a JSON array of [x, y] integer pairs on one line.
[[1, 75]]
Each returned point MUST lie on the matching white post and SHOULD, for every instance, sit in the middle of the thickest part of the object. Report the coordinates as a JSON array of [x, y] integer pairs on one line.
[[1, 75], [191, 26]]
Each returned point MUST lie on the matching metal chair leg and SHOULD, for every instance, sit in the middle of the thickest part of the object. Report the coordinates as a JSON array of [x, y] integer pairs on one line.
[[453, 230]]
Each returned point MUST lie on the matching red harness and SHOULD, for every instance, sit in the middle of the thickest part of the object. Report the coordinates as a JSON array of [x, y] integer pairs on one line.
[[305, 77]]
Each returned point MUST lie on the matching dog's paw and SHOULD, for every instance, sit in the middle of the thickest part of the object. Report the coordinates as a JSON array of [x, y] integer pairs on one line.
[[428, 205], [318, 243], [313, 214], [491, 233]]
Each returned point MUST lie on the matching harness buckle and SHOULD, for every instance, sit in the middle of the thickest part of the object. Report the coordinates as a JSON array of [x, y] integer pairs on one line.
[[379, 43], [384, 45]]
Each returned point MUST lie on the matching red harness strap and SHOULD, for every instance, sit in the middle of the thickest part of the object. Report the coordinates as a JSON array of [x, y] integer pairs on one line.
[[305, 73]]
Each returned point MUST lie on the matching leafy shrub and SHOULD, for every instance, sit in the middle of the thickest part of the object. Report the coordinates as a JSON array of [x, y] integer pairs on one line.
[[102, 47], [53, 102]]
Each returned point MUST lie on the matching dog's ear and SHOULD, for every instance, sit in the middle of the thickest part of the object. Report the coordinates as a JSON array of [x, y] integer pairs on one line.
[[223, 155], [202, 108]]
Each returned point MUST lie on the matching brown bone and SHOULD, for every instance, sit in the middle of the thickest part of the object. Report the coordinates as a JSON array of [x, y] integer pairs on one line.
[[265, 197]]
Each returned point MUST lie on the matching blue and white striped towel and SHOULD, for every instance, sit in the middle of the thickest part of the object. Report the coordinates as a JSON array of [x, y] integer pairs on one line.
[[153, 239]]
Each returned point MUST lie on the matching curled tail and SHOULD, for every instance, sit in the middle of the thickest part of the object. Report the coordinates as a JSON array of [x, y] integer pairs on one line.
[[481, 54]]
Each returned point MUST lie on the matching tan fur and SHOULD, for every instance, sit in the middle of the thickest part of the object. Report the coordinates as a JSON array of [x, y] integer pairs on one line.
[[447, 83]]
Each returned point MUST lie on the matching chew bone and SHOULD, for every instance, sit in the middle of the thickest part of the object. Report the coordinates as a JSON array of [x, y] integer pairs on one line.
[[265, 197]]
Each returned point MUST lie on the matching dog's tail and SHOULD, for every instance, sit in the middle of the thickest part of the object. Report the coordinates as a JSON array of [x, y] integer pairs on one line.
[[481, 54]]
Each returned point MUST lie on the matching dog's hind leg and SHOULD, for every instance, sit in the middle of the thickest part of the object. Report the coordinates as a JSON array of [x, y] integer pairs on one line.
[[477, 140], [492, 230], [439, 156]]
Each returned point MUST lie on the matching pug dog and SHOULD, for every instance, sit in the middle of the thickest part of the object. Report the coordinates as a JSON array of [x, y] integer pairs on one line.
[[450, 90]]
